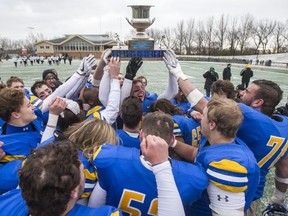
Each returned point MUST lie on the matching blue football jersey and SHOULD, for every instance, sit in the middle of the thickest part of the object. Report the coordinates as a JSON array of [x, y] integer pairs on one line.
[[126, 140], [187, 128], [131, 186], [19, 145], [184, 106], [90, 176], [9, 175], [80, 210], [94, 112], [148, 100], [13, 204], [231, 167], [267, 139]]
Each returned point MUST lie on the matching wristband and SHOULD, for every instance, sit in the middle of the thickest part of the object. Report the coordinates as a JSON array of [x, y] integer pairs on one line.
[[174, 144], [95, 83], [282, 180], [194, 97], [52, 120]]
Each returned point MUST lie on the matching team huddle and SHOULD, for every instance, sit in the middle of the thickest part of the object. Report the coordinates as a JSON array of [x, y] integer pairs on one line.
[[100, 144]]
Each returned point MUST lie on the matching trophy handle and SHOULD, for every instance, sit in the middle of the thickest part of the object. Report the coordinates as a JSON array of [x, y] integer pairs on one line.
[[129, 21]]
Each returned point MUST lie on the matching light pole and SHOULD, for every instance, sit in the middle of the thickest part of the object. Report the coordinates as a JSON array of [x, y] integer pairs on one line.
[[32, 38]]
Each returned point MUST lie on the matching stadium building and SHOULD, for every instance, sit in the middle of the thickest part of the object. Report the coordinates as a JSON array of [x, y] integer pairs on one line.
[[76, 46]]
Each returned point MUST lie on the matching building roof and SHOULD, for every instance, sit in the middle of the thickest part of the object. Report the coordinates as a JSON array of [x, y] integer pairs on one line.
[[96, 38], [58, 40], [101, 38]]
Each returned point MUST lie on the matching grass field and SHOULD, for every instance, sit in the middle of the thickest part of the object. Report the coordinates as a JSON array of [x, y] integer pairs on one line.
[[155, 72], [157, 76]]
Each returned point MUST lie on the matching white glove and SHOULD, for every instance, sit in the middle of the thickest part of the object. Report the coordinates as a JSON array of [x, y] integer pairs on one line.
[[173, 65], [107, 55], [90, 78], [86, 65], [72, 106]]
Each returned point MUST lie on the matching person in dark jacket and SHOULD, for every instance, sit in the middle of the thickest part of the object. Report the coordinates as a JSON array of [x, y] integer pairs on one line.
[[211, 76], [227, 72], [246, 74], [50, 77]]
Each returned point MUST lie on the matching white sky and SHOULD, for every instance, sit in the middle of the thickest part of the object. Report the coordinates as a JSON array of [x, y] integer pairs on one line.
[[54, 18]]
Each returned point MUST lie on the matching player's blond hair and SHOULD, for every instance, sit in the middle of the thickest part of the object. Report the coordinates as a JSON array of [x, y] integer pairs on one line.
[[90, 134], [227, 115]]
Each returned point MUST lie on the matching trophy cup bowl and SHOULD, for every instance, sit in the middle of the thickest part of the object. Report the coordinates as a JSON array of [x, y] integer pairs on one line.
[[140, 25]]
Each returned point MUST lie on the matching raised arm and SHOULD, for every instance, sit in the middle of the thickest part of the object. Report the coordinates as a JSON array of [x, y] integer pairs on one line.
[[131, 70], [56, 106], [172, 88], [111, 112], [78, 78], [155, 150], [193, 95]]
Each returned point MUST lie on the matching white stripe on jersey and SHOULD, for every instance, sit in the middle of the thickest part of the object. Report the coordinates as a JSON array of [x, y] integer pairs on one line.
[[226, 177]]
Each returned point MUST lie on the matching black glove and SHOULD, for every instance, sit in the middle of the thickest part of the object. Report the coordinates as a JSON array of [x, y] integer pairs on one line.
[[132, 67], [275, 209]]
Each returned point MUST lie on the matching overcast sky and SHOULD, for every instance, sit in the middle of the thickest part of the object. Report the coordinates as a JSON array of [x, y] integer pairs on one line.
[[54, 18]]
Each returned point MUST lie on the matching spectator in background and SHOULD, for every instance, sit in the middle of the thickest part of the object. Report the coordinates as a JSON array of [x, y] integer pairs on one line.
[[15, 60], [70, 60], [51, 79], [246, 74], [211, 76], [227, 72]]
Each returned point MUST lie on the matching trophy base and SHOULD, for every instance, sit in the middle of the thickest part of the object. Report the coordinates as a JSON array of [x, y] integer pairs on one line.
[[139, 47], [124, 53]]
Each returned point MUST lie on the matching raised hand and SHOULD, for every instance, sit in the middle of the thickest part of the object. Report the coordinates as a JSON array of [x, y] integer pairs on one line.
[[57, 105], [133, 66], [106, 55], [86, 65], [173, 65], [114, 67], [154, 149]]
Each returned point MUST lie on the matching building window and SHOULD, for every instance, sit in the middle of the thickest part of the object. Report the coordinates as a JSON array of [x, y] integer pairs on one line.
[[47, 47], [41, 47]]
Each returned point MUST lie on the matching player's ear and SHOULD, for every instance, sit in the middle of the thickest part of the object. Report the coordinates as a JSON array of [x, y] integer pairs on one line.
[[15, 115], [212, 125], [74, 193], [257, 103], [141, 135]]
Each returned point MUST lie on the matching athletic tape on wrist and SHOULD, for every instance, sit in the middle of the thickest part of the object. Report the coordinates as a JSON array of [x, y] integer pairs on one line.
[[52, 120], [282, 180], [95, 82], [174, 144], [194, 97]]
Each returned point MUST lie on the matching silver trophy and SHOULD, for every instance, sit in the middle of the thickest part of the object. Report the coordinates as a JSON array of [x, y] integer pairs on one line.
[[140, 20], [140, 44]]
